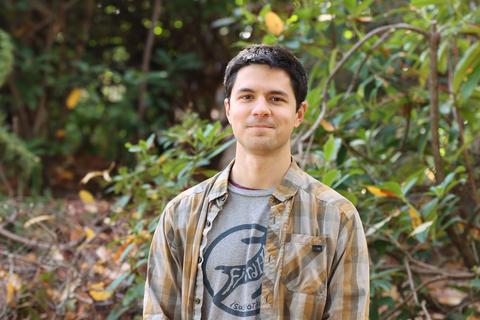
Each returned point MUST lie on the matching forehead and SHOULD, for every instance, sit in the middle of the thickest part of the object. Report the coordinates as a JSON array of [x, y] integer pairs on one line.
[[259, 77]]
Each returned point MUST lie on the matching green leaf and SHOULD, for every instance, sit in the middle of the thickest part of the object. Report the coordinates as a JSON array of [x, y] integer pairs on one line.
[[269, 39], [421, 3], [127, 250], [122, 201], [394, 187], [350, 5], [442, 57], [329, 148], [472, 82], [470, 59], [429, 210], [6, 56], [410, 182], [330, 176], [333, 60], [116, 282], [266, 8], [361, 7]]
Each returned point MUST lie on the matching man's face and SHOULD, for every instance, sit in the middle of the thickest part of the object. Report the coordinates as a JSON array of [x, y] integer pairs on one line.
[[261, 109]]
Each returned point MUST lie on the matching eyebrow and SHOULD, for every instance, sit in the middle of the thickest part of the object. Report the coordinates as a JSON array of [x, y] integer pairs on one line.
[[278, 92]]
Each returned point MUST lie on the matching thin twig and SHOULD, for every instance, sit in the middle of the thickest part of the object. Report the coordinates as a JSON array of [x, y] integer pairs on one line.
[[307, 152], [391, 313], [434, 112], [410, 280], [36, 243], [424, 308]]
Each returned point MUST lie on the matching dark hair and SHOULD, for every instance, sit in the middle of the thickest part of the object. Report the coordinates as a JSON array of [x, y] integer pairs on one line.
[[273, 56]]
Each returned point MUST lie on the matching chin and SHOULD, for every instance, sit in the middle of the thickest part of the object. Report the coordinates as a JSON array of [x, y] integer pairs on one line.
[[260, 147]]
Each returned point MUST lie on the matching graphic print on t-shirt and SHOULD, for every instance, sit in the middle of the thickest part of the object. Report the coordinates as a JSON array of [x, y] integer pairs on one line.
[[236, 288]]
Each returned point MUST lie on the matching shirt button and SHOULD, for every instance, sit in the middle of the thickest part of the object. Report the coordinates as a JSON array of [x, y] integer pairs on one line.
[[197, 300], [209, 223], [200, 259]]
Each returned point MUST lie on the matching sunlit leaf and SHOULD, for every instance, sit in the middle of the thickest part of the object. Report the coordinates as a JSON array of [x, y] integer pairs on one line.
[[10, 293], [89, 233], [380, 193], [423, 227], [414, 216], [394, 187], [73, 98], [98, 293], [13, 285], [274, 23], [86, 197], [327, 126], [38, 219]]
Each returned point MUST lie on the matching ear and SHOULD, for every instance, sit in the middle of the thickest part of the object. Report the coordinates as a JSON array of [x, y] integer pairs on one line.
[[300, 115], [226, 104]]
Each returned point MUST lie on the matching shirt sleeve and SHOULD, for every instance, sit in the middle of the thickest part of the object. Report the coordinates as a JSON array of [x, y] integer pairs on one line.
[[162, 298], [349, 282]]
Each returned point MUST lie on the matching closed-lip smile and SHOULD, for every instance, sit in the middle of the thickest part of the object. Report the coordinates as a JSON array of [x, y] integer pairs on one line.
[[260, 126]]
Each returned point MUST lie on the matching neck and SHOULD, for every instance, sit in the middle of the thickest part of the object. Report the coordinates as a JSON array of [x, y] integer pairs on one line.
[[260, 171]]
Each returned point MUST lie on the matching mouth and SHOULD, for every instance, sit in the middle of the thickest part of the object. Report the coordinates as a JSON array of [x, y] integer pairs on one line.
[[260, 126]]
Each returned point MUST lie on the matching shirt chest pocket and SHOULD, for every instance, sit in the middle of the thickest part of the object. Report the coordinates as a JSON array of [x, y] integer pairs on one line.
[[304, 266]]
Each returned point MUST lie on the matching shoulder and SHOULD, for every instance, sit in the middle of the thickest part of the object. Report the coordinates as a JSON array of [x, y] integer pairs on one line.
[[317, 191]]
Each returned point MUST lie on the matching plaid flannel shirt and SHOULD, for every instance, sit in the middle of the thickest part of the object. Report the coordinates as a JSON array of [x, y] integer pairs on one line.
[[316, 259]]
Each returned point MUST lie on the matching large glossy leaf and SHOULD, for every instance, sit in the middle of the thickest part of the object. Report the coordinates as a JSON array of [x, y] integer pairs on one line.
[[469, 61]]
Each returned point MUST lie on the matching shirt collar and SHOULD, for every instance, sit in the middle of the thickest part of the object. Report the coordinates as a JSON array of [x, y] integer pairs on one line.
[[287, 188]]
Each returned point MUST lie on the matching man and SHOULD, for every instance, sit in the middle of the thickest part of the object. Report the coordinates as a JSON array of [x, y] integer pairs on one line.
[[262, 239]]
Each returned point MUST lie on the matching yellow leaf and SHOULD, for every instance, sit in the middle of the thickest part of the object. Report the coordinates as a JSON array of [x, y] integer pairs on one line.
[[13, 285], [86, 196], [98, 293], [414, 216], [89, 233], [162, 159], [327, 126], [430, 175], [10, 292], [274, 23], [380, 192], [60, 133], [73, 98]]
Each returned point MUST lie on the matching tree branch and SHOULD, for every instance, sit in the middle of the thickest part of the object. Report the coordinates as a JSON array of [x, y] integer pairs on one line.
[[355, 47], [147, 55]]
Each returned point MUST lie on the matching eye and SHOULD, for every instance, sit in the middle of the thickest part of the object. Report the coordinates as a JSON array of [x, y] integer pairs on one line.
[[246, 97], [277, 99]]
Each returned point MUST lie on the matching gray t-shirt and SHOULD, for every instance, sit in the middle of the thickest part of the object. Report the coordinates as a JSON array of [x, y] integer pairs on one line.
[[233, 257]]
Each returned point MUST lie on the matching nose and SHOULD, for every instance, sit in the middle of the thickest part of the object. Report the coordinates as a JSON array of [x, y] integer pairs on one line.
[[261, 108]]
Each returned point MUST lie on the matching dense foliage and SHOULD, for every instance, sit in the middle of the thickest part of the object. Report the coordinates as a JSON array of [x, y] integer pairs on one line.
[[393, 124]]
